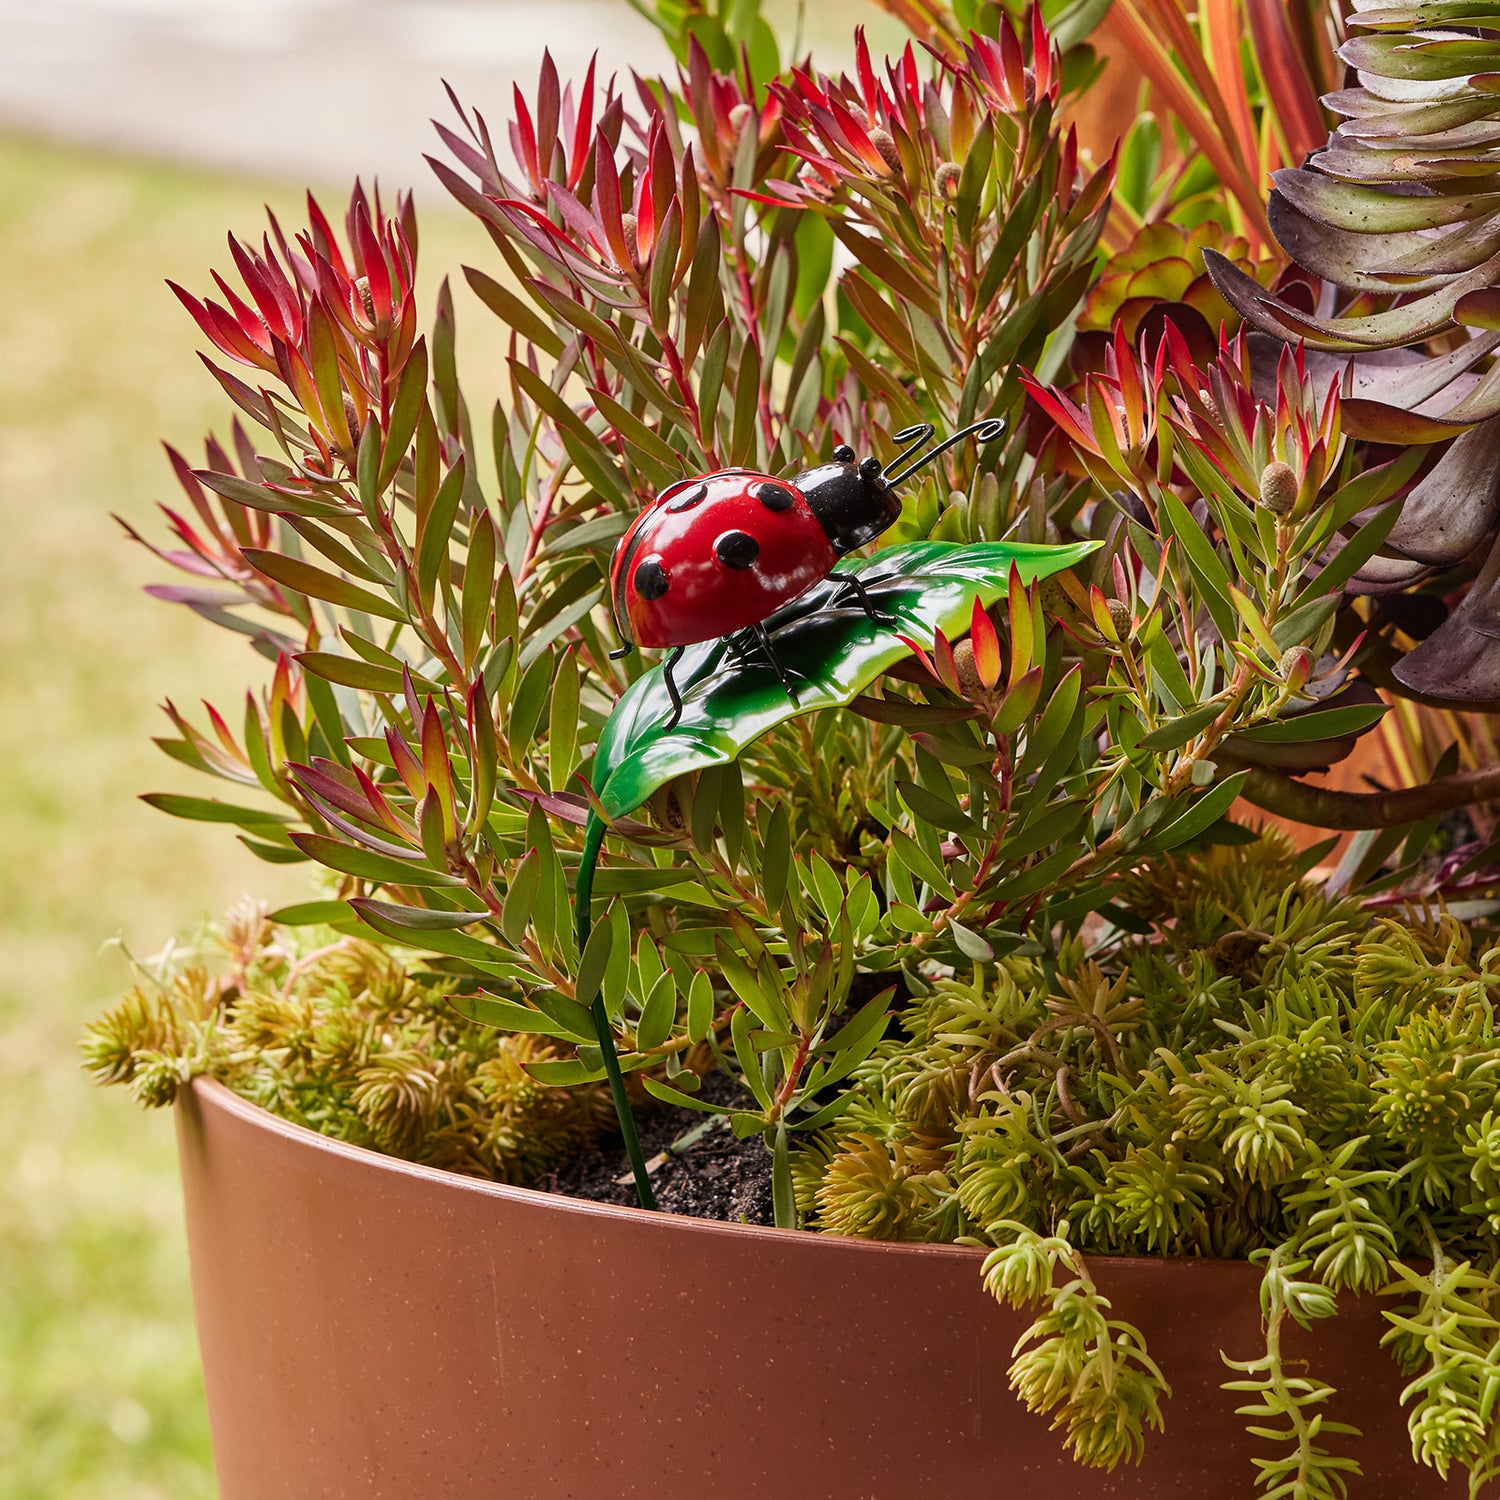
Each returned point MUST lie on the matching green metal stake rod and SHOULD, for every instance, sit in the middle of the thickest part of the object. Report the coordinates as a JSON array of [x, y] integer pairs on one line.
[[583, 907]]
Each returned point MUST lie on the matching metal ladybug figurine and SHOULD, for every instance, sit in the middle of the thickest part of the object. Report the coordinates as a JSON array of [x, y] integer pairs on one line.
[[718, 554]]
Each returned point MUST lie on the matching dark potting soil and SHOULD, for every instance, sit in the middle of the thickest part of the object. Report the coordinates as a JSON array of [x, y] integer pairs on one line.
[[710, 1175]]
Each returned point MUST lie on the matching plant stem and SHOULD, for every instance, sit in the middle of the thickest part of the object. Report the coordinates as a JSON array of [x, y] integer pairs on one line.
[[583, 903], [1325, 808]]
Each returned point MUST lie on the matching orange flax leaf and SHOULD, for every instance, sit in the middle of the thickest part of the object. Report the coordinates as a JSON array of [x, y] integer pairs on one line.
[[1171, 20], [1224, 28], [1293, 98], [1156, 62]]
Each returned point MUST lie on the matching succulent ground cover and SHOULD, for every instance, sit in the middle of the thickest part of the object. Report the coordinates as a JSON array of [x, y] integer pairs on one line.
[[974, 922]]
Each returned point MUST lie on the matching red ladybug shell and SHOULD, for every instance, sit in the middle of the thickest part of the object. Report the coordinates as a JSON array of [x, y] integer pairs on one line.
[[715, 554]]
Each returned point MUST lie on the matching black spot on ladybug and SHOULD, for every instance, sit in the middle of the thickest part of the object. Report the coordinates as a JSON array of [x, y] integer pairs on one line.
[[650, 578], [776, 497], [737, 549], [695, 496]]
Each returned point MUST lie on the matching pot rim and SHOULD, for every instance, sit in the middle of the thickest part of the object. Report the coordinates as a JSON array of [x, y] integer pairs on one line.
[[210, 1092]]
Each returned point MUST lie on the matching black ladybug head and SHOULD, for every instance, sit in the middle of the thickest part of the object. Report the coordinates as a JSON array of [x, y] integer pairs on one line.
[[852, 501]]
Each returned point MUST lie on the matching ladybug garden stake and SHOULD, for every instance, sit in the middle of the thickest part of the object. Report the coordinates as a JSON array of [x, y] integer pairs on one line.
[[718, 555]]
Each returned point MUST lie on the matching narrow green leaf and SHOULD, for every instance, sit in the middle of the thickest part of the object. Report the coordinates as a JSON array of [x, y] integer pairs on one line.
[[1323, 724], [259, 497], [766, 1007], [917, 860], [521, 898], [703, 286], [857, 1038], [1206, 565], [208, 810], [750, 1068], [310, 914], [668, 1095], [513, 312], [1050, 730], [700, 1006], [367, 470], [1177, 732], [396, 922], [366, 864], [827, 888], [664, 265], [711, 378], [595, 959], [318, 584], [776, 857], [530, 701], [1354, 554], [562, 731], [657, 1014], [273, 854], [938, 810], [410, 394], [576, 1021], [436, 532], [1304, 622], [618, 880], [783, 1197], [1205, 812], [508, 1015], [479, 586], [588, 454], [1040, 831], [348, 671], [617, 968]]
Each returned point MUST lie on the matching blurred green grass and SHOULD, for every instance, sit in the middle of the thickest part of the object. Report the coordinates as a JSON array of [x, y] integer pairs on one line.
[[100, 1395]]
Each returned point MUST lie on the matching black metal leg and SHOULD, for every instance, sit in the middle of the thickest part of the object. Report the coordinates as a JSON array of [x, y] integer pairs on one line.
[[876, 616], [745, 647], [771, 656], [672, 693], [621, 652]]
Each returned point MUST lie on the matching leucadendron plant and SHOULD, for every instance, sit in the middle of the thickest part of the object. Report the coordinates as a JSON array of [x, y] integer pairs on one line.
[[969, 917]]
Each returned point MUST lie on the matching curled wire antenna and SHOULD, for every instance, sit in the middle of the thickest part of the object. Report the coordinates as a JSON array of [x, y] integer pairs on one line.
[[914, 438], [982, 432]]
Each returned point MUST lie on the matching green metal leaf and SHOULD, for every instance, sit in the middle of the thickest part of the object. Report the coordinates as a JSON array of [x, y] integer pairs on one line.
[[832, 655]]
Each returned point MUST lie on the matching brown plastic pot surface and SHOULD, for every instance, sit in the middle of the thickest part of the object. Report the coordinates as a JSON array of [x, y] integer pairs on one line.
[[385, 1331]]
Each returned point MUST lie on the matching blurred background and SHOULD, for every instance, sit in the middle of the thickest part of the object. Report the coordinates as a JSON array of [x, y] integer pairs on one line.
[[133, 135]]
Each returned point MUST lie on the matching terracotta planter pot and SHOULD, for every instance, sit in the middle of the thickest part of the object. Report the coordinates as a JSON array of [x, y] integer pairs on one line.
[[384, 1331]]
